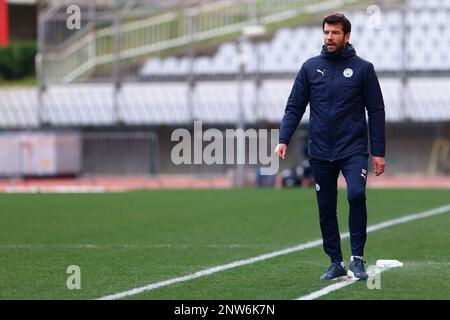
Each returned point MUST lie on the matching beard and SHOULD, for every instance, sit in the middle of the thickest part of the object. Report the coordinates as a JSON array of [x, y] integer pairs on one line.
[[338, 46]]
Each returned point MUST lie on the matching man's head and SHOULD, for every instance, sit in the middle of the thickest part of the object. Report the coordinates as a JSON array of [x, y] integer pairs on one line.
[[336, 32]]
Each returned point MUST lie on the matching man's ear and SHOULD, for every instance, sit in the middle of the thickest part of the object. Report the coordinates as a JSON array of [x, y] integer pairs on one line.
[[347, 37]]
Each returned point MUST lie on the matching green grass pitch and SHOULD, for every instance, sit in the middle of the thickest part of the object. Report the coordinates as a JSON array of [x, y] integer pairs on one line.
[[125, 240]]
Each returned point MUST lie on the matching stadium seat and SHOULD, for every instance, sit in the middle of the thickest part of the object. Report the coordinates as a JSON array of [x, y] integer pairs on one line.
[[427, 48]]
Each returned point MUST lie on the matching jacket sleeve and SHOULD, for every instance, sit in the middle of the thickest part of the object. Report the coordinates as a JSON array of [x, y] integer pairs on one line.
[[296, 106], [373, 100]]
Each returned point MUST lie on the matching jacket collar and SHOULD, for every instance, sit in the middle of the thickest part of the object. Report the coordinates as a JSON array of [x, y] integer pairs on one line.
[[349, 51]]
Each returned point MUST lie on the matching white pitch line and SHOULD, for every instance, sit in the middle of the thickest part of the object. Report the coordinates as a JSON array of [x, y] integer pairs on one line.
[[300, 247], [209, 271], [333, 287], [131, 246], [327, 290]]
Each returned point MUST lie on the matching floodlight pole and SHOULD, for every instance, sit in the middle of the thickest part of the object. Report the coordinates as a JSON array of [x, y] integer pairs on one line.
[[404, 64], [116, 65], [40, 68], [192, 29], [240, 124], [248, 33]]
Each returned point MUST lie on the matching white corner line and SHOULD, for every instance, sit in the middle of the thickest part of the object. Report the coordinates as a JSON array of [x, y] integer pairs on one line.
[[300, 247], [327, 290], [334, 287]]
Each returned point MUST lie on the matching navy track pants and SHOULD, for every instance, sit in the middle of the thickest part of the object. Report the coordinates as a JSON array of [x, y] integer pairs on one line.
[[354, 169]]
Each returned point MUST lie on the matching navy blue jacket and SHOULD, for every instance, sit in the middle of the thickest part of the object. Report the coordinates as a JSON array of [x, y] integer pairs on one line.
[[339, 87]]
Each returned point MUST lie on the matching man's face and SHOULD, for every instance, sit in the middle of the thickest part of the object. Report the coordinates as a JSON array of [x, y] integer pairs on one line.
[[334, 37]]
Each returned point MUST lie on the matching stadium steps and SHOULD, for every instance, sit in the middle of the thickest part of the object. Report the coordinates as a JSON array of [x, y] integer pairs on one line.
[[92, 46]]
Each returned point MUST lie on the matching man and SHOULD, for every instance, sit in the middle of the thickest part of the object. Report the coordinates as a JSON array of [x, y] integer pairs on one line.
[[339, 86]]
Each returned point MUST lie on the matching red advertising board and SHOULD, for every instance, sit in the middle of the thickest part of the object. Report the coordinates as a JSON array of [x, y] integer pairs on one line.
[[4, 32]]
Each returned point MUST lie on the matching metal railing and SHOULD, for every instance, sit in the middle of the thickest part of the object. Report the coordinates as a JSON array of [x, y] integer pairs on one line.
[[120, 153], [112, 37]]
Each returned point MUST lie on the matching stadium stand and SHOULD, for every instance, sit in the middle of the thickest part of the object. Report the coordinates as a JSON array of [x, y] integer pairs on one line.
[[427, 41], [140, 104], [156, 103]]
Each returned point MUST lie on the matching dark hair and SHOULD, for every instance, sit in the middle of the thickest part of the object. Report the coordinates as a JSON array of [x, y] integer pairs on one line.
[[336, 18]]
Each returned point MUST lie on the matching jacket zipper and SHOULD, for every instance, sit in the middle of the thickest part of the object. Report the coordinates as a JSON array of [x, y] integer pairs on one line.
[[332, 96]]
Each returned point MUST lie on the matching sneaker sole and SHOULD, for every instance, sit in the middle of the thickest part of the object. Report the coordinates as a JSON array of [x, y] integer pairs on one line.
[[351, 275], [345, 277]]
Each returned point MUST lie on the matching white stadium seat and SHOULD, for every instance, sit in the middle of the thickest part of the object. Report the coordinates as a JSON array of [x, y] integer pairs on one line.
[[427, 48]]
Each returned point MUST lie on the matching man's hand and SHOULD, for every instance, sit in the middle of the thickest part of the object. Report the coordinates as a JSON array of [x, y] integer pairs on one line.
[[281, 150], [378, 165]]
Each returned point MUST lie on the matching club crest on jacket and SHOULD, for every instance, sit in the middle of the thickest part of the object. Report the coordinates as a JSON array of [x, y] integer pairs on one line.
[[348, 73]]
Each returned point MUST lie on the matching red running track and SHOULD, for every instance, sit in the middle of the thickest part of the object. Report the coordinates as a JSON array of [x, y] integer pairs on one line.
[[116, 184]]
